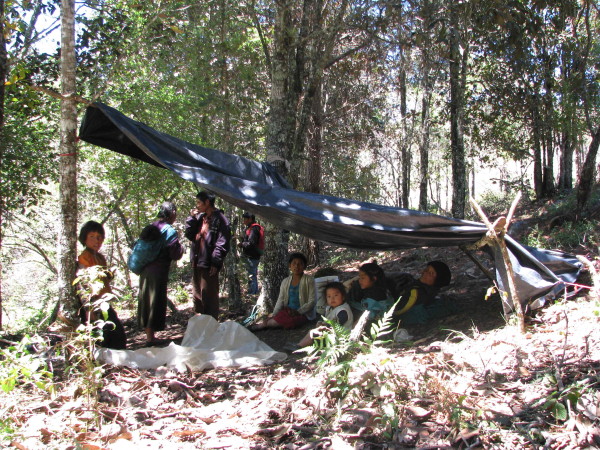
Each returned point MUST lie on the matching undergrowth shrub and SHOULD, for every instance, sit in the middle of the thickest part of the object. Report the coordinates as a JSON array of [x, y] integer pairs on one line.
[[21, 366], [568, 236], [495, 203], [347, 358]]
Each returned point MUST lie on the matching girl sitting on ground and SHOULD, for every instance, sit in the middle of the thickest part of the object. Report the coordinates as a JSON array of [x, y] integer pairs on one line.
[[370, 292], [337, 310], [296, 298]]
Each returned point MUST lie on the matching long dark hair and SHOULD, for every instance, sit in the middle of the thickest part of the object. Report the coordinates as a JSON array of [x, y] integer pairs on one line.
[[374, 272]]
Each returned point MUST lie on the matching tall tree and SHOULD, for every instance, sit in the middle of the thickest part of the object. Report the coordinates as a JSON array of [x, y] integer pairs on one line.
[[3, 72], [590, 88], [459, 54], [68, 165]]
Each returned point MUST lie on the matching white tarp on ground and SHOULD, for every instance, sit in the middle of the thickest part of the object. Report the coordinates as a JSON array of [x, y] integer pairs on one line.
[[206, 344]]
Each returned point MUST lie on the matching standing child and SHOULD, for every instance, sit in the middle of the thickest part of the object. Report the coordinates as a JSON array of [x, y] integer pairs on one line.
[[337, 310], [91, 237]]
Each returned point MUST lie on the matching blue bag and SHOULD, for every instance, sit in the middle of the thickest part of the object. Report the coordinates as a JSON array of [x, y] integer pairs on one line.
[[147, 248]]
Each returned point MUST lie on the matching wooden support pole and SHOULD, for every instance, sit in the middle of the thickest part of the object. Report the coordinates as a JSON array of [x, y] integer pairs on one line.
[[496, 232], [478, 263]]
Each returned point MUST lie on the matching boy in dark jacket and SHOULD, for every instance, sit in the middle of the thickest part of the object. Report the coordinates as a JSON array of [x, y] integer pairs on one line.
[[210, 233]]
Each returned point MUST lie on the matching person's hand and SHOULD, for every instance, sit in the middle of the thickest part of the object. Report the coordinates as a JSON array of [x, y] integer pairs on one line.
[[194, 212], [213, 271]]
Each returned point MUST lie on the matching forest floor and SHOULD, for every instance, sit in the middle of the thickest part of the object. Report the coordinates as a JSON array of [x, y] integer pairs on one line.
[[471, 380]]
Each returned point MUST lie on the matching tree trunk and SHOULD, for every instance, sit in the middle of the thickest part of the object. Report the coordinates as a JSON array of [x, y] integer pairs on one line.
[[3, 73], [588, 173], [67, 250], [314, 168], [232, 262], [566, 160], [548, 175], [280, 138], [406, 162], [537, 149], [424, 147], [459, 167]]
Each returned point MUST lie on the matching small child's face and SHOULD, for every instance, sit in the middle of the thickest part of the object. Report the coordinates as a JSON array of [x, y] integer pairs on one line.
[[334, 297], [94, 240], [364, 280]]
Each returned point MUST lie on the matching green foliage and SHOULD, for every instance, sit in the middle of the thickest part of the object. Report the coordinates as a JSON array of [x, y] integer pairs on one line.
[[381, 328], [496, 203], [7, 430], [560, 403], [568, 236], [28, 160], [80, 348], [337, 347], [20, 367]]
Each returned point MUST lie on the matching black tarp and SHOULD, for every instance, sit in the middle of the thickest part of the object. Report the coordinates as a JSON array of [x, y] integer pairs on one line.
[[257, 187]]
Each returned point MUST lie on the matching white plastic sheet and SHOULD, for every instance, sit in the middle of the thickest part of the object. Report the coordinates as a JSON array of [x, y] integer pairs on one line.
[[206, 344]]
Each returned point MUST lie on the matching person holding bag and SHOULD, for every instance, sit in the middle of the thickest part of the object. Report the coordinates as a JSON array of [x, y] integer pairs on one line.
[[152, 296]]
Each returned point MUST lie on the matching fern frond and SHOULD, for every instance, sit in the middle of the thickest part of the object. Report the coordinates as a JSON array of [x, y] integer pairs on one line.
[[383, 326]]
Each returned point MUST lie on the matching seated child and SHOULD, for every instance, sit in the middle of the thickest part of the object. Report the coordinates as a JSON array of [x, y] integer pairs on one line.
[[370, 292], [337, 310], [91, 237], [417, 297]]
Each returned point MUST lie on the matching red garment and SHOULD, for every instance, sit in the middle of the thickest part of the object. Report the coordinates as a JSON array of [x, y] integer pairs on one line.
[[289, 318]]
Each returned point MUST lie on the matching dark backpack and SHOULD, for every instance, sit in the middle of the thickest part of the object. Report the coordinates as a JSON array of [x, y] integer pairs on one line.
[[146, 249]]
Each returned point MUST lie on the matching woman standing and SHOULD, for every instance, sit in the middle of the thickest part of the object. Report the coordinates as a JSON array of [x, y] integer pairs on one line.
[[152, 298]]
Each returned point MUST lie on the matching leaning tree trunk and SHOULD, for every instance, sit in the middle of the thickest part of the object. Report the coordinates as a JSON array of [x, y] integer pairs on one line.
[[3, 72], [588, 173], [67, 250]]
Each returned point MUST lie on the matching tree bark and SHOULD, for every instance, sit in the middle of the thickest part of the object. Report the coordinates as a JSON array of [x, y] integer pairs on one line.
[[67, 250], [588, 173], [424, 147], [537, 149], [406, 160], [3, 73], [314, 168], [459, 167], [279, 142]]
